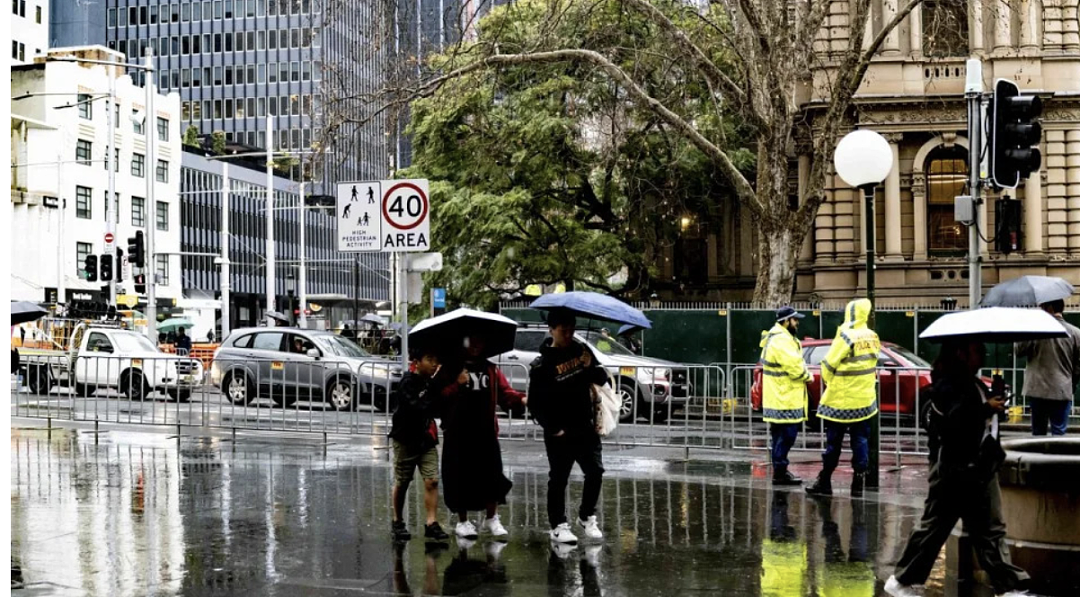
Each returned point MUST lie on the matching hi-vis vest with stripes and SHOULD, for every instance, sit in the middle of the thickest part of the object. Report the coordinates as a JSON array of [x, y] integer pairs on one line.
[[850, 370], [784, 377]]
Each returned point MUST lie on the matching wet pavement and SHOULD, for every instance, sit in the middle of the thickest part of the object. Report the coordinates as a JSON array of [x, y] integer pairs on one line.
[[140, 513]]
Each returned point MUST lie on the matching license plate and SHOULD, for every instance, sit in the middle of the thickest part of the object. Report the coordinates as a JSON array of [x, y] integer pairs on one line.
[[627, 371], [187, 378], [277, 365]]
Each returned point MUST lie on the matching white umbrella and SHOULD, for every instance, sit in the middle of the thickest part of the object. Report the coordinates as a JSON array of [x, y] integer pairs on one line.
[[995, 324]]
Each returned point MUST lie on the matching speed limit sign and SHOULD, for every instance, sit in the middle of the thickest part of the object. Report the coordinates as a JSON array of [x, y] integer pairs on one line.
[[384, 215]]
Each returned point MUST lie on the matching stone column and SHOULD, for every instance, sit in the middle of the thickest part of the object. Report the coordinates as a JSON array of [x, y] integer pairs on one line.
[[918, 198], [1070, 26], [893, 225], [1029, 31], [806, 253], [1051, 25], [891, 47], [977, 45], [915, 21], [1002, 26], [1033, 214]]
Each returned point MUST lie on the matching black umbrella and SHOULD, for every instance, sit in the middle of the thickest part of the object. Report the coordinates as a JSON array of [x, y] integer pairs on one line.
[[446, 333], [25, 311]]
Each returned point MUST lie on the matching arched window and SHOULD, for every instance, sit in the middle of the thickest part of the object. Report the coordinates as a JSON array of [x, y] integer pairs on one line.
[[946, 175]]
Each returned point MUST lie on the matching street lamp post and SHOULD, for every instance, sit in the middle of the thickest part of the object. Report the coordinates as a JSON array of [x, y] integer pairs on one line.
[[863, 159]]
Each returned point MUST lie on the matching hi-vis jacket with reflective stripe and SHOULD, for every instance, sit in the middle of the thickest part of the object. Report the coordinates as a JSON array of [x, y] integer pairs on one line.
[[850, 369], [784, 377]]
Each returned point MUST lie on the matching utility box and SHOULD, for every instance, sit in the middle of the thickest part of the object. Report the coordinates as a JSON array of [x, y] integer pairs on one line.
[[964, 210]]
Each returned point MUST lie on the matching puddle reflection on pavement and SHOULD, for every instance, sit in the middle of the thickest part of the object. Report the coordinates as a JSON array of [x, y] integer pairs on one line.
[[144, 518]]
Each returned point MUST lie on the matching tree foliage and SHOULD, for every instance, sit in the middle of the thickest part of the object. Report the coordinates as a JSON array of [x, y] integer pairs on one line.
[[549, 173]]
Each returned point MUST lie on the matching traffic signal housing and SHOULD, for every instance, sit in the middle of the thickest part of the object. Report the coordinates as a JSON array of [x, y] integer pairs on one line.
[[90, 267], [140, 283], [136, 250], [1008, 238], [106, 267], [1014, 129], [119, 264]]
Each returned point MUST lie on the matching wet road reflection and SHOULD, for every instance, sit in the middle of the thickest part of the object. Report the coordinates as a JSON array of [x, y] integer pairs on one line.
[[144, 518]]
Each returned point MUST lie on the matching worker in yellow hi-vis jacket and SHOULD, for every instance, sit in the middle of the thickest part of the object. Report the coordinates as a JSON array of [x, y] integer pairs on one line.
[[850, 399], [783, 384]]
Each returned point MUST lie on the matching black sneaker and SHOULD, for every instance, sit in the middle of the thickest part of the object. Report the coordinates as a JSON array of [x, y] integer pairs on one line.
[[821, 486], [434, 532], [785, 477], [400, 531]]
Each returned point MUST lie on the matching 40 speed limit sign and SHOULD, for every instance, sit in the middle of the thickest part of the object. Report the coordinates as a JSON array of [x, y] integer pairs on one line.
[[389, 216]]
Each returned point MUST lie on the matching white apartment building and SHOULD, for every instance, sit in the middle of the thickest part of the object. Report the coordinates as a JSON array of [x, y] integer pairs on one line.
[[29, 30], [59, 187]]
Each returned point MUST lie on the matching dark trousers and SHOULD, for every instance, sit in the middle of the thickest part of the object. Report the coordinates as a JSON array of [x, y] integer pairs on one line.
[[783, 438], [1052, 412], [834, 443], [979, 506], [562, 453]]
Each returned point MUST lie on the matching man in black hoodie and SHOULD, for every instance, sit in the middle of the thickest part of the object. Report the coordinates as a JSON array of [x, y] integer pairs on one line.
[[561, 401]]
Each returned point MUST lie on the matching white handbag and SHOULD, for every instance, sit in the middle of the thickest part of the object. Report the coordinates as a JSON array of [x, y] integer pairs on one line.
[[608, 406]]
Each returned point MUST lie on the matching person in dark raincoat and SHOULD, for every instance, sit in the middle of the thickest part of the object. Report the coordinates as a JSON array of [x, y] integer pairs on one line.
[[965, 457], [473, 476]]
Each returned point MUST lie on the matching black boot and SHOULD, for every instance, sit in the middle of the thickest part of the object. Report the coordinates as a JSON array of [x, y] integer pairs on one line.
[[782, 477], [858, 482], [822, 485], [399, 531]]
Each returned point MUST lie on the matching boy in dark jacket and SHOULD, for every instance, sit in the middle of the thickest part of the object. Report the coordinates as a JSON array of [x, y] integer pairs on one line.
[[561, 401], [415, 439]]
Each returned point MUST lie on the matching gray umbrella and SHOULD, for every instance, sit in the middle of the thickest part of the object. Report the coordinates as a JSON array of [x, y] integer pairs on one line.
[[24, 311], [1027, 291]]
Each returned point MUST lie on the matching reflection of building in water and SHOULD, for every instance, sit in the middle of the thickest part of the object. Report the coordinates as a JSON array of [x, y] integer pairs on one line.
[[103, 518]]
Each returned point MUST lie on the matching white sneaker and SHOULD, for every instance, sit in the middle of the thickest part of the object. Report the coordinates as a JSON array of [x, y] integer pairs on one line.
[[592, 555], [592, 529], [465, 544], [562, 550], [562, 534], [466, 530], [894, 588], [493, 526], [494, 549]]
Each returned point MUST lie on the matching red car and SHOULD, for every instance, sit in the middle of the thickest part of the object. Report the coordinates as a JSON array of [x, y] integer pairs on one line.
[[900, 370]]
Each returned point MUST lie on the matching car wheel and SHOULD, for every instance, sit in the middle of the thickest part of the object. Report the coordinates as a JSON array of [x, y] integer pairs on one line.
[[180, 395], [341, 394], [133, 386], [237, 388], [660, 415], [628, 397], [38, 379]]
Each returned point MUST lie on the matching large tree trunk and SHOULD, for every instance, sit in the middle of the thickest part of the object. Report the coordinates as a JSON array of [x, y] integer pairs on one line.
[[778, 252]]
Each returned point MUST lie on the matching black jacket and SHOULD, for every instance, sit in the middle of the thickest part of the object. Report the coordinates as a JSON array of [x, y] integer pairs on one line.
[[413, 423], [957, 421], [560, 395]]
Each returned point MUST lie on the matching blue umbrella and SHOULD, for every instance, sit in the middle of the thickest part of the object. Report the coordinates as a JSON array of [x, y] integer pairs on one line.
[[593, 306], [627, 330]]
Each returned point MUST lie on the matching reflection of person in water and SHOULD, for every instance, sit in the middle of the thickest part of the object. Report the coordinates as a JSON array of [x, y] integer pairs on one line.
[[783, 556], [850, 575], [465, 574], [431, 573]]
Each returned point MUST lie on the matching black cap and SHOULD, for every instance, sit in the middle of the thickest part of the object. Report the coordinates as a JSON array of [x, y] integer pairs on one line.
[[787, 312]]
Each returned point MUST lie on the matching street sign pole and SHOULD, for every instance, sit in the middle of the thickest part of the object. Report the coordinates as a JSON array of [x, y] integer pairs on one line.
[[973, 93], [403, 292]]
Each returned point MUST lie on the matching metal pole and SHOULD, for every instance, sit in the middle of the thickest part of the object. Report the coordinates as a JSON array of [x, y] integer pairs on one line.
[[61, 286], [270, 265], [973, 92], [403, 266], [303, 256], [871, 242], [151, 288], [356, 295], [110, 166], [226, 273]]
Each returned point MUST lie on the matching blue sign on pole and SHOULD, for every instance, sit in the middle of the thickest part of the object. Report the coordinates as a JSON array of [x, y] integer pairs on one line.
[[438, 298]]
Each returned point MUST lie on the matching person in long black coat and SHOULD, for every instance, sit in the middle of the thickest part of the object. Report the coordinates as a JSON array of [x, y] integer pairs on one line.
[[472, 470], [965, 457]]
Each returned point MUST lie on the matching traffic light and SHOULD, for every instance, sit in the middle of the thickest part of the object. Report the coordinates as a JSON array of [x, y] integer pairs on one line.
[[1008, 238], [1013, 131], [136, 250], [90, 267], [140, 283], [106, 267], [119, 265]]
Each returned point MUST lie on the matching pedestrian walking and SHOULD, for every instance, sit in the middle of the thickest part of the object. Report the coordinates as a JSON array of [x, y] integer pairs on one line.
[[183, 342], [784, 399], [963, 428], [473, 478], [561, 400], [415, 440], [849, 371], [1051, 375]]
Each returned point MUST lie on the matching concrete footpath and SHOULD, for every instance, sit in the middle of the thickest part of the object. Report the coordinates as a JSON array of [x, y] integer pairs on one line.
[[137, 512]]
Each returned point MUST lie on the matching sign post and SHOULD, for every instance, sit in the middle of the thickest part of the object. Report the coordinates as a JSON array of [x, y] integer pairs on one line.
[[386, 216]]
